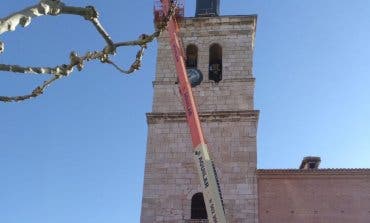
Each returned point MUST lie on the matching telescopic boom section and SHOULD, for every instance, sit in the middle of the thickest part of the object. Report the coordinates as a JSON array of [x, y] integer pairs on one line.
[[206, 170]]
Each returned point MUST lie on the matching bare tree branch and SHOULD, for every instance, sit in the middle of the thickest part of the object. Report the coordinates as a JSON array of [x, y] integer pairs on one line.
[[134, 66], [24, 17], [39, 90], [51, 7], [1, 47], [56, 7], [27, 70]]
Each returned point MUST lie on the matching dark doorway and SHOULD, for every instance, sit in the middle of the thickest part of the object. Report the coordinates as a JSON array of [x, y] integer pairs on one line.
[[198, 207]]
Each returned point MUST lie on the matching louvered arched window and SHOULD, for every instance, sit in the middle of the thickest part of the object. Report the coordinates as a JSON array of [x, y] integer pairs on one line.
[[191, 56], [215, 63]]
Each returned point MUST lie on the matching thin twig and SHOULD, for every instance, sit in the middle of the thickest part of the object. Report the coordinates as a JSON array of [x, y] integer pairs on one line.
[[144, 39], [39, 90], [134, 66]]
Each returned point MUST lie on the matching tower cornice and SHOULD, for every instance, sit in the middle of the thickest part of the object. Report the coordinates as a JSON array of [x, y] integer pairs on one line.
[[218, 116]]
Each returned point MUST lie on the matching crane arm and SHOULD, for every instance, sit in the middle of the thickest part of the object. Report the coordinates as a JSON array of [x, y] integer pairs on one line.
[[206, 170]]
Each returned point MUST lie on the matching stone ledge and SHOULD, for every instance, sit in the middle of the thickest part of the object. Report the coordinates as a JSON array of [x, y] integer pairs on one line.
[[219, 116], [196, 221], [219, 33], [223, 19], [231, 80]]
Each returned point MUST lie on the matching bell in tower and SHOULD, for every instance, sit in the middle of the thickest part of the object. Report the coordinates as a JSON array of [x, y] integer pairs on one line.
[[206, 8]]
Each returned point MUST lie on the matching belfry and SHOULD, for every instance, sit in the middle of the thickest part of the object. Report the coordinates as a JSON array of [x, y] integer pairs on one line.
[[221, 47]]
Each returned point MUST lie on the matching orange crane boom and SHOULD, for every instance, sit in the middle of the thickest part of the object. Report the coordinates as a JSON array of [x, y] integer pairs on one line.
[[206, 170]]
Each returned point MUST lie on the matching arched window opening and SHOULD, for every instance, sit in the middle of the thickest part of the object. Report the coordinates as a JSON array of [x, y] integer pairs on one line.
[[198, 207], [191, 56], [215, 63]]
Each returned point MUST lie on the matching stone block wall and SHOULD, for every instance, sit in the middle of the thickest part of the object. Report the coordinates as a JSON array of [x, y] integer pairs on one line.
[[228, 95], [235, 34], [228, 119], [170, 175]]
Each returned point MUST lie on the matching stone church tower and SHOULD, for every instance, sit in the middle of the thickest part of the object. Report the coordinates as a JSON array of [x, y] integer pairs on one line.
[[221, 47]]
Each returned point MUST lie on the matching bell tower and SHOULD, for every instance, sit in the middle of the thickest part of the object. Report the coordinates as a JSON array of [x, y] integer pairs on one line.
[[221, 47], [207, 8]]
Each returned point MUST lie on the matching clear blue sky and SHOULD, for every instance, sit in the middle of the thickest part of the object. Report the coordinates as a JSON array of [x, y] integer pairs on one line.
[[76, 154]]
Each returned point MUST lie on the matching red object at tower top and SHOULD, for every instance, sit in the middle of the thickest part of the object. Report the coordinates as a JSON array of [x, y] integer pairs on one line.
[[159, 13]]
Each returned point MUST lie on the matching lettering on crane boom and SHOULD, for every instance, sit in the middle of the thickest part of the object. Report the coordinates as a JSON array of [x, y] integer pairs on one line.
[[209, 194], [213, 211], [204, 173], [202, 169]]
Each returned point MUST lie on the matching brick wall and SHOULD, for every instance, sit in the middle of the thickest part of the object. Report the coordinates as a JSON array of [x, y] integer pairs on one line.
[[317, 196]]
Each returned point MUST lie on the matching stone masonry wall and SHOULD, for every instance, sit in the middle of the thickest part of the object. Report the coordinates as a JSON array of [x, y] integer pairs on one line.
[[224, 96], [228, 119], [235, 34], [170, 175]]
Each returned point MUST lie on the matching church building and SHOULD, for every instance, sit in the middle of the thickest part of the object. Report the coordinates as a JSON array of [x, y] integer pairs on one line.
[[221, 47]]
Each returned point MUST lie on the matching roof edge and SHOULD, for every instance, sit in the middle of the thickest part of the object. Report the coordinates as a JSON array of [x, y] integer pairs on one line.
[[324, 171]]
